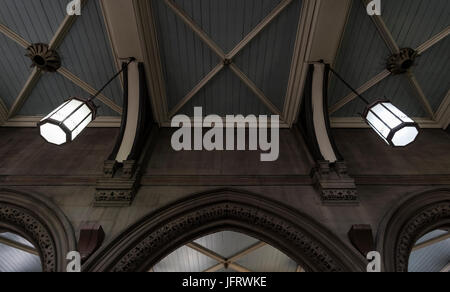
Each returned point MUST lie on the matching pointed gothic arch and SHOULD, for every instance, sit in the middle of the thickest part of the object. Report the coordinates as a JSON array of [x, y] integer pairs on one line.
[[407, 222], [150, 240], [42, 223]]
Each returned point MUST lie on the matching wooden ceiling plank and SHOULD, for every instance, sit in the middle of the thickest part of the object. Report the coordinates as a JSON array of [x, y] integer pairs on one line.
[[196, 89], [206, 252], [19, 246], [421, 95], [14, 36], [433, 41], [364, 88], [384, 31], [25, 92], [432, 241], [255, 89], [247, 251], [197, 29], [89, 89], [262, 25], [215, 268]]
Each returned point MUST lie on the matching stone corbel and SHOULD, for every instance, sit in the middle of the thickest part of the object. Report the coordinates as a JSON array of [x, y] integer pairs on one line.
[[122, 171], [330, 175]]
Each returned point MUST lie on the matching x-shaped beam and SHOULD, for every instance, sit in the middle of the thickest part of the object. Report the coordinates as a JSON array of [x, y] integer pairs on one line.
[[223, 262], [36, 73], [393, 46], [227, 58]]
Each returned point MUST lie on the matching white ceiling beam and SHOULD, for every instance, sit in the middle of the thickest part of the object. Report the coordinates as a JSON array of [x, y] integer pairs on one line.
[[25, 92], [384, 31], [262, 25], [56, 41], [238, 268], [215, 268], [432, 241], [443, 113], [206, 252], [359, 123], [196, 89], [390, 42], [420, 94], [191, 23], [14, 36], [365, 87], [249, 250], [433, 41], [256, 90], [18, 245], [223, 262], [214, 47], [89, 89]]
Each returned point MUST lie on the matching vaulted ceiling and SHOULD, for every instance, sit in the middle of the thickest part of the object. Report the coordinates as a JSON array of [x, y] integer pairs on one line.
[[84, 47], [228, 56], [368, 42]]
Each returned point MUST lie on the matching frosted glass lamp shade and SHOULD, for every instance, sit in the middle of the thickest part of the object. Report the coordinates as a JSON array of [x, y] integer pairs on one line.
[[391, 124], [65, 123]]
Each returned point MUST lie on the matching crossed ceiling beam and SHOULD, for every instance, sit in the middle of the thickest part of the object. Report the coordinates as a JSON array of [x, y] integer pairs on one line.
[[35, 75], [226, 58], [431, 242], [224, 262], [394, 48]]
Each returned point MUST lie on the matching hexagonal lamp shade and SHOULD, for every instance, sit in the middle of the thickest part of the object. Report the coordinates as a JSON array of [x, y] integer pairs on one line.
[[396, 128], [65, 123]]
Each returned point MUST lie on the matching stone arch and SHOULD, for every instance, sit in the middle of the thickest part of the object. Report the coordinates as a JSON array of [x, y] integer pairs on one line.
[[407, 222], [146, 243], [41, 222]]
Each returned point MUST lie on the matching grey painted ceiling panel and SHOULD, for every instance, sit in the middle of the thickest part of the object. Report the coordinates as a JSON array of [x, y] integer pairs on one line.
[[362, 54], [36, 20], [13, 260], [185, 260], [226, 95], [185, 57], [267, 60], [227, 22], [86, 52], [395, 88], [227, 243], [432, 258], [51, 91], [268, 259], [14, 70], [413, 22], [433, 72]]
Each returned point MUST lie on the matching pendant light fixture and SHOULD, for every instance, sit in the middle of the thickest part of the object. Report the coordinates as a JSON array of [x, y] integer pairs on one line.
[[66, 122], [390, 123]]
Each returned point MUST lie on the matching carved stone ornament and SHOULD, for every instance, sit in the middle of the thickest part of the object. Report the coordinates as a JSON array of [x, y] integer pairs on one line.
[[149, 241], [42, 223], [43, 57], [407, 222], [334, 184]]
